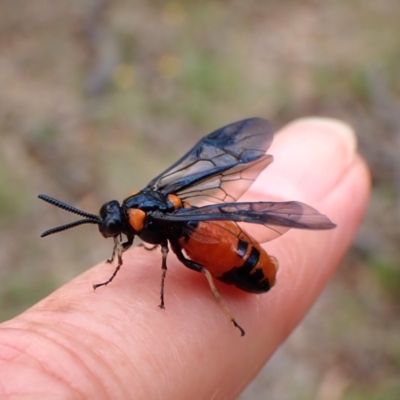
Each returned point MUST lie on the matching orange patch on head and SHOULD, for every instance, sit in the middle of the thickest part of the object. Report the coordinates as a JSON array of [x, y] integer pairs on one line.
[[136, 218]]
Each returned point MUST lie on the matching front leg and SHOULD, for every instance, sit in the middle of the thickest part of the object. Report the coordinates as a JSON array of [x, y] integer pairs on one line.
[[117, 240], [119, 249]]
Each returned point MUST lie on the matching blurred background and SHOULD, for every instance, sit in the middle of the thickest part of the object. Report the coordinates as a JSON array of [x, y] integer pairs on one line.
[[99, 96]]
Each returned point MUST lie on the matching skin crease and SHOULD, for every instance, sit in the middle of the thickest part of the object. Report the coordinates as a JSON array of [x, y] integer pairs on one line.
[[115, 343]]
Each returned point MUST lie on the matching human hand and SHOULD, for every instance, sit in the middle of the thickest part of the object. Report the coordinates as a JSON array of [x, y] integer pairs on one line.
[[116, 343]]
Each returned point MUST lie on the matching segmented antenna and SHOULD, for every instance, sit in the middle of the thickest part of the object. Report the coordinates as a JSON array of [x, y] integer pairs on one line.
[[67, 207], [68, 226], [89, 218]]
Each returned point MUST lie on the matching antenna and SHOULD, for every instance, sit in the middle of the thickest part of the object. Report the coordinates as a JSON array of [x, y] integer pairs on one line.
[[89, 218]]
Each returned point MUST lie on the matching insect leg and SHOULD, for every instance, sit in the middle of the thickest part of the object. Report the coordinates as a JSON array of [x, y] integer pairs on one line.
[[119, 249], [116, 242], [164, 252], [199, 268]]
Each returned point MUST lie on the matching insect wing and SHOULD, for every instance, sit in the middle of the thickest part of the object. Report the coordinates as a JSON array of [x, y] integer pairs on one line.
[[218, 159], [228, 185], [290, 214]]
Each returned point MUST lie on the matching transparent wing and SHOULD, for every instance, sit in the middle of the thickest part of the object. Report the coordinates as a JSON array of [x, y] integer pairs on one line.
[[290, 214], [226, 186], [234, 153]]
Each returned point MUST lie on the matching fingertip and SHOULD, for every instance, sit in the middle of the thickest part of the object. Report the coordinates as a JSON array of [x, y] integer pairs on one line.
[[341, 129], [311, 155]]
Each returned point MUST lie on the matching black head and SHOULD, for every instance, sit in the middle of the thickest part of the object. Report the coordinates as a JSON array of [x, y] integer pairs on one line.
[[109, 221], [110, 214]]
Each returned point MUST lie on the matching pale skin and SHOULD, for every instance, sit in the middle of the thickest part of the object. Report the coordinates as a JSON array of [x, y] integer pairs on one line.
[[115, 343]]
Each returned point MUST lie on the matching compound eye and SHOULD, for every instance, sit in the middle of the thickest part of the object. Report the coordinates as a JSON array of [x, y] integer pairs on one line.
[[110, 208]]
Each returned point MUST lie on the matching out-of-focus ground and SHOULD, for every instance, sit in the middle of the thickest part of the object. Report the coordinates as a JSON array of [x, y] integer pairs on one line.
[[98, 96]]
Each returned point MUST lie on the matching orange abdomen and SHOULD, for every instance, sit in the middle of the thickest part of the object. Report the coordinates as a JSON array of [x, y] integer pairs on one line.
[[231, 255]]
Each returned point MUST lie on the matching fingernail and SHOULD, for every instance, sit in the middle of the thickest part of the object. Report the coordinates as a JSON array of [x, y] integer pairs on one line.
[[334, 125]]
